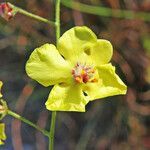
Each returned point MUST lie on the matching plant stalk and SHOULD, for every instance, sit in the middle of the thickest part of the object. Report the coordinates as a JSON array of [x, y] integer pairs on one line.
[[26, 13], [17, 116], [52, 131], [57, 20], [53, 119]]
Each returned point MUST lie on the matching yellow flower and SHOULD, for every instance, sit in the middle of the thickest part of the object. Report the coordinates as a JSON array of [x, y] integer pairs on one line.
[[2, 133], [78, 68]]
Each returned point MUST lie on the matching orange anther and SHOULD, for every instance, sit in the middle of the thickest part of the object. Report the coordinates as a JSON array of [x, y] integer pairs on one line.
[[78, 79]]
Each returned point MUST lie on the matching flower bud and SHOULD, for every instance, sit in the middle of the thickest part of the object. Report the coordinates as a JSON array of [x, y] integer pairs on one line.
[[6, 11], [2, 133]]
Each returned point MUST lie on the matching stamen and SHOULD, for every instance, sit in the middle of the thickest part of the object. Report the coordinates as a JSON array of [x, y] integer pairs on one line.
[[83, 73]]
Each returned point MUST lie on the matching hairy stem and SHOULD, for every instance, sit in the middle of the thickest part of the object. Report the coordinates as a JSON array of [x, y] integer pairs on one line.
[[17, 116], [26, 13], [53, 119]]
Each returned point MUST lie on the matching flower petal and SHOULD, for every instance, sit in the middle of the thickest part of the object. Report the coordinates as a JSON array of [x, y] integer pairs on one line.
[[47, 66], [109, 84], [66, 98], [2, 133], [1, 83], [101, 52], [73, 42]]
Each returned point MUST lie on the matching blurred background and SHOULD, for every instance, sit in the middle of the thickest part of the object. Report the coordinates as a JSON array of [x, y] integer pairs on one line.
[[113, 123]]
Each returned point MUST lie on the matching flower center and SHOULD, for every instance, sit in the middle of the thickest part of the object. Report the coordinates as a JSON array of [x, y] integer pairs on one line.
[[83, 73]]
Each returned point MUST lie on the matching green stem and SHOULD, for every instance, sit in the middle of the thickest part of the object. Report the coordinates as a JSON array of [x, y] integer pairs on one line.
[[17, 116], [26, 13], [53, 119], [106, 12], [57, 20], [52, 131]]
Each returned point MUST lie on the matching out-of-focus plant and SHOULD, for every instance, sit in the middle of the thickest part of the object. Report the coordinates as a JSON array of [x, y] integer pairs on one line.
[[106, 12]]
